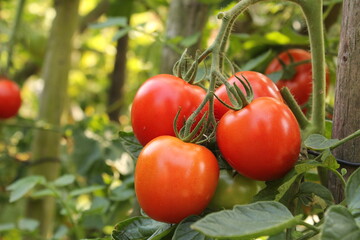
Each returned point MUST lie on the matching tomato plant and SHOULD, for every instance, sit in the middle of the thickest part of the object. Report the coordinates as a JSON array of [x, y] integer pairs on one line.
[[10, 98], [174, 179], [233, 189], [157, 102], [262, 140], [297, 78], [262, 86]]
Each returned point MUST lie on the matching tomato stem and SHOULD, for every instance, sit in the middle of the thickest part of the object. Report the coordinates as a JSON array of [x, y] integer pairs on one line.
[[314, 19], [295, 108], [345, 139]]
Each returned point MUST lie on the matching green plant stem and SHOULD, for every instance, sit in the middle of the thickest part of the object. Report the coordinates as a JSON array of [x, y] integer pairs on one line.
[[13, 33], [309, 226], [314, 18], [345, 139], [77, 231], [338, 174], [295, 108], [217, 48]]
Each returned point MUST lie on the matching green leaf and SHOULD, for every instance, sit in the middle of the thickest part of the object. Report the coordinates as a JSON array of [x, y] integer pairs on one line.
[[61, 232], [23, 186], [64, 180], [120, 33], [28, 224], [87, 152], [352, 191], [130, 144], [276, 76], [247, 221], [140, 228], [257, 61], [276, 189], [105, 238], [329, 160], [306, 166], [339, 224], [42, 193], [285, 187], [122, 193], [98, 205], [190, 40], [319, 142], [111, 22], [311, 188], [86, 190], [7, 226], [184, 232]]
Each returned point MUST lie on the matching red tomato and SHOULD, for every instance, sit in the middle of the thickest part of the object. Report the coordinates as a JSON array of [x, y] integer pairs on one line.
[[300, 85], [156, 103], [261, 141], [174, 179], [10, 98], [261, 85]]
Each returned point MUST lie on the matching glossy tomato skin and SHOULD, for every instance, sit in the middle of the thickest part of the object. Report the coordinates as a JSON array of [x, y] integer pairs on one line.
[[157, 102], [234, 190], [10, 98], [300, 85], [261, 141], [174, 179], [262, 86]]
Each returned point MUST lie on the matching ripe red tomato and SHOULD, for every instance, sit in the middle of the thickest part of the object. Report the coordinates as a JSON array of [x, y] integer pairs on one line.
[[174, 179], [261, 85], [300, 85], [156, 103], [10, 98], [232, 190], [261, 141]]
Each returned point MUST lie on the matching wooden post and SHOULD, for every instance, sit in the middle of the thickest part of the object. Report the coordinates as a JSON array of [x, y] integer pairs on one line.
[[346, 119]]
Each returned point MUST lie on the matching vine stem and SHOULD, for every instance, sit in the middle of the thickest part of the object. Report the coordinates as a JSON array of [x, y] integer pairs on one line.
[[217, 48], [314, 19], [77, 231], [295, 108], [13, 33], [345, 139]]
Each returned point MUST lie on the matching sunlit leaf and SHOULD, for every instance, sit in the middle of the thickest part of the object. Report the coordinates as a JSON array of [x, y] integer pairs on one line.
[[28, 224], [64, 180], [7, 226], [86, 190], [121, 33], [111, 22], [319, 142], [247, 221], [257, 61], [23, 186]]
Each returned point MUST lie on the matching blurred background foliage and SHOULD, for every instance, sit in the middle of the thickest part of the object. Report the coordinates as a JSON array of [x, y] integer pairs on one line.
[[92, 151]]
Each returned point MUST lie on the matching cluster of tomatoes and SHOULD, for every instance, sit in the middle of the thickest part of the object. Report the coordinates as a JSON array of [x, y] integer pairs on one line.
[[261, 141], [10, 98]]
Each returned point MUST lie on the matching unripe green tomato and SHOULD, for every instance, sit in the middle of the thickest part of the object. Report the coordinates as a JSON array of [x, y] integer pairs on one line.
[[232, 190]]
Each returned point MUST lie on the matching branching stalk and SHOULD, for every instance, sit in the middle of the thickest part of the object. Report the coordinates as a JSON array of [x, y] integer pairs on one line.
[[314, 18], [295, 108], [13, 33]]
